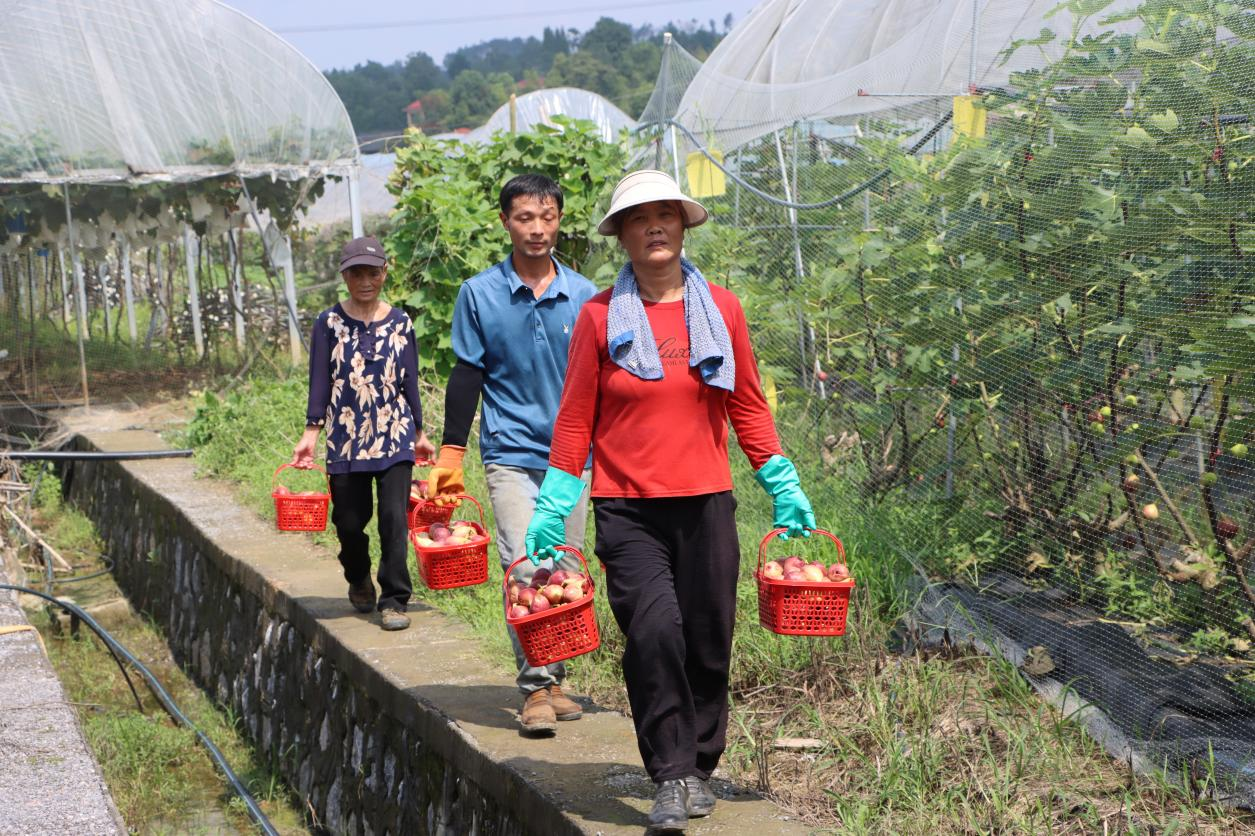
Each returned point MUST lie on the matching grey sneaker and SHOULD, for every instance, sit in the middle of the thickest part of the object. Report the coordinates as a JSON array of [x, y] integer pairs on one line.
[[362, 596], [701, 798], [670, 802], [391, 619]]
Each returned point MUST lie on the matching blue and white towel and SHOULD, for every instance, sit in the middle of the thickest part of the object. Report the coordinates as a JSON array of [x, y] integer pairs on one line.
[[631, 340]]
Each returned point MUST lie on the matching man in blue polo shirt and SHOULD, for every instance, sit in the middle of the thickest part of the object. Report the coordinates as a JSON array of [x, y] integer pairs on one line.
[[511, 327]]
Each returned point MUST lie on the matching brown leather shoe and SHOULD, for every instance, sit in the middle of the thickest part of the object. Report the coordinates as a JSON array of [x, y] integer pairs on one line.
[[537, 716], [564, 708], [362, 596], [393, 619]]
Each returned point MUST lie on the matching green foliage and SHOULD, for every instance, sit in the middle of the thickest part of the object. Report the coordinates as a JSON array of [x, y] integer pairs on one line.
[[376, 95], [1071, 293], [445, 228], [612, 59]]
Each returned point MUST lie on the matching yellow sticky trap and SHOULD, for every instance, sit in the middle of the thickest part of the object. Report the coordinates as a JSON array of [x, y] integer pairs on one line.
[[705, 178], [769, 389], [969, 118]]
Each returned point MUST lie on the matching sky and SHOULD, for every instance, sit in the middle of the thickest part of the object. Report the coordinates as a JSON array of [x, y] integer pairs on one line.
[[440, 27]]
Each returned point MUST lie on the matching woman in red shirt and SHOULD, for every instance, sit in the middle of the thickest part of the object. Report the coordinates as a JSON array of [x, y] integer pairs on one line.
[[659, 365]]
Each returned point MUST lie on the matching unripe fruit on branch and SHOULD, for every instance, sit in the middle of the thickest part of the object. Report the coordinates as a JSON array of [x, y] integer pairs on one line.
[[1239, 450], [1130, 459], [1130, 400], [1208, 479], [1105, 412], [1097, 427]]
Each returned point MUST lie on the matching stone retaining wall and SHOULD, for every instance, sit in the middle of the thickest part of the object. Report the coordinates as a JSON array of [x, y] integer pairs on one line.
[[365, 757]]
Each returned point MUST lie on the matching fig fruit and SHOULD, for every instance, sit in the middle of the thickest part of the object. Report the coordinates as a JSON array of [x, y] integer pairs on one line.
[[518, 611], [1150, 511]]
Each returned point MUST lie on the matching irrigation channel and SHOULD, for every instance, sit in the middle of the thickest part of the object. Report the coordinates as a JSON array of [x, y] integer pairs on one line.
[[173, 759]]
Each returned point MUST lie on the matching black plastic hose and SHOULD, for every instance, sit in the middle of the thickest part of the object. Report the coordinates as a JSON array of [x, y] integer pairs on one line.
[[167, 702], [92, 455]]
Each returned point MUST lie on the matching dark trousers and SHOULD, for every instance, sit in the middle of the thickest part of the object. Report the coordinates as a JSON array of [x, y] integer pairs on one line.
[[353, 504], [671, 572]]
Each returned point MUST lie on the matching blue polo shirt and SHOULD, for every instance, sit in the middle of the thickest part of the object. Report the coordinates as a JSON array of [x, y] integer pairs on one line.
[[520, 342]]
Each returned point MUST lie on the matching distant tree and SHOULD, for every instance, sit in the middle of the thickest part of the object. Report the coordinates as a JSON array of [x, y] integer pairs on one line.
[[584, 70], [607, 41], [473, 96]]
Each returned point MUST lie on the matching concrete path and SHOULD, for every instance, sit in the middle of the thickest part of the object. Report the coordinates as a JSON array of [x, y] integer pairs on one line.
[[590, 771], [49, 780]]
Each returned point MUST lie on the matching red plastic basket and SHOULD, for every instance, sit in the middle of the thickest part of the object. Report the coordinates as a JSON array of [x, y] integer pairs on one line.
[[559, 633], [294, 512], [802, 608], [427, 511], [448, 567]]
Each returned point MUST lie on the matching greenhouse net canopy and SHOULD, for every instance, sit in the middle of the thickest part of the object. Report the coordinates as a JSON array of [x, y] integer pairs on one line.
[[139, 91], [844, 60]]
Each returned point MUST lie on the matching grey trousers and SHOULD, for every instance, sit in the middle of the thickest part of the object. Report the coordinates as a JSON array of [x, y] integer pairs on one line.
[[512, 492]]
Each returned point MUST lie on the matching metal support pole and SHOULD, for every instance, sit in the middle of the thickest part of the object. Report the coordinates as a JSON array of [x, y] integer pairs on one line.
[[191, 250], [128, 289], [157, 309], [355, 200], [82, 296], [234, 268], [289, 290], [65, 290], [675, 154], [799, 267], [103, 276]]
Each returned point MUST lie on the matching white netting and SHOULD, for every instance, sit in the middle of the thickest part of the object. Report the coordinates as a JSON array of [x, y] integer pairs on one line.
[[844, 60], [1009, 332], [146, 90]]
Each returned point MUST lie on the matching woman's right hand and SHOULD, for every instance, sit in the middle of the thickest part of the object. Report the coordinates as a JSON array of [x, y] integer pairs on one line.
[[303, 453]]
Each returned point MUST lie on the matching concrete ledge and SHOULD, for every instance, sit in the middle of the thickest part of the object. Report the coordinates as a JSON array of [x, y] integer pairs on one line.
[[379, 732], [49, 779]]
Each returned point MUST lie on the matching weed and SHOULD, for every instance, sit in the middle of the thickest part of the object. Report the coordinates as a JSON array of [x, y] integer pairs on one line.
[[924, 744]]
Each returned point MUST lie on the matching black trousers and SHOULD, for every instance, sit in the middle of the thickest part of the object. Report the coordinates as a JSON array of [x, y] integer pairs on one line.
[[353, 504], [671, 572]]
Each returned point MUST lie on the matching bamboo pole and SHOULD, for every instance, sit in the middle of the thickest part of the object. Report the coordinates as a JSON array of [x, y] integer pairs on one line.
[[191, 251], [124, 245], [82, 295], [234, 269]]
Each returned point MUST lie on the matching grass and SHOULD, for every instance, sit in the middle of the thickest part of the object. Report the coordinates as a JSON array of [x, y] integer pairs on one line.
[[942, 742], [160, 777]]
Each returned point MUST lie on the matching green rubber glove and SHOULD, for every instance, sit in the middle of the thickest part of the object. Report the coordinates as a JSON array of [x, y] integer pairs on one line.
[[558, 495], [791, 509]]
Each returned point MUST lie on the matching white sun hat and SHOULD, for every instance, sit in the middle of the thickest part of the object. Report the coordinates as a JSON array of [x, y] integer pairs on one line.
[[646, 186]]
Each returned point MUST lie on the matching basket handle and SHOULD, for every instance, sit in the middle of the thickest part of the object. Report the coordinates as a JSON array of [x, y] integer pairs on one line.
[[274, 480], [762, 546], [505, 581], [478, 507]]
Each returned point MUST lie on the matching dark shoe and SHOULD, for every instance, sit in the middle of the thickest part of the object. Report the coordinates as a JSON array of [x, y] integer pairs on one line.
[[701, 799], [391, 619], [362, 596], [537, 716], [670, 803], [564, 708]]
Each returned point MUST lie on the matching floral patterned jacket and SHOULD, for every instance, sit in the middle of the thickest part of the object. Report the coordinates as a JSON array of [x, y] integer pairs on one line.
[[363, 388]]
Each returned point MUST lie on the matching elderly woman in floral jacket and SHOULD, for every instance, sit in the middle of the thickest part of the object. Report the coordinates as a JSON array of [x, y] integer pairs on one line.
[[363, 389]]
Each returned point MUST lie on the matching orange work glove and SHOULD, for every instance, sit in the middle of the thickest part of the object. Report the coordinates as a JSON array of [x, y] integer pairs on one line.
[[445, 479]]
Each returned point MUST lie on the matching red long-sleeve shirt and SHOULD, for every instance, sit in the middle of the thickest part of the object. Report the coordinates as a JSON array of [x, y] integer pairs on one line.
[[657, 438]]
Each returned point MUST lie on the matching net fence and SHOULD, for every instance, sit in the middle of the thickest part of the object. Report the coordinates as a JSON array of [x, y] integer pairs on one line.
[[1016, 322]]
